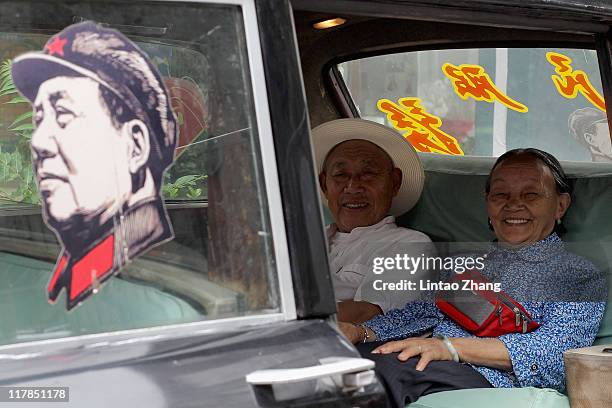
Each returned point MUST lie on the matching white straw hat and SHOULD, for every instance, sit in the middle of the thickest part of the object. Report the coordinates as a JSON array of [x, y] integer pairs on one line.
[[329, 134]]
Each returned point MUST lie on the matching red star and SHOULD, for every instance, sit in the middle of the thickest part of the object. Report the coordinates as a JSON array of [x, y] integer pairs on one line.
[[56, 46]]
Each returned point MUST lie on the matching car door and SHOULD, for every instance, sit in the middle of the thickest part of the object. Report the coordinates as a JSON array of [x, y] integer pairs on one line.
[[244, 285]]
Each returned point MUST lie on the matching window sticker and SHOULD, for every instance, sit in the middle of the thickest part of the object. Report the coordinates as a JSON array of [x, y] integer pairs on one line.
[[420, 128], [569, 81], [589, 127], [473, 81], [104, 135]]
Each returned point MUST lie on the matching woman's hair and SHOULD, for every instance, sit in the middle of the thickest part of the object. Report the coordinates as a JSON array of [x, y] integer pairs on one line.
[[562, 183]]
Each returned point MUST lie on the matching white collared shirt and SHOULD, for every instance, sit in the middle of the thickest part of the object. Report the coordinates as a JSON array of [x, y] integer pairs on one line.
[[352, 254]]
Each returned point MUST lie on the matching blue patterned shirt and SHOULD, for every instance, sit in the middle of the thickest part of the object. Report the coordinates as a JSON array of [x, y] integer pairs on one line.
[[562, 291]]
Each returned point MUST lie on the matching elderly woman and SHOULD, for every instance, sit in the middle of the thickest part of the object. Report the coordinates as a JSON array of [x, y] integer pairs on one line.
[[527, 194]]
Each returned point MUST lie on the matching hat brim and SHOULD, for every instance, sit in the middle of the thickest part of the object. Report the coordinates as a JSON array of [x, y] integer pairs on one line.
[[30, 70], [329, 134]]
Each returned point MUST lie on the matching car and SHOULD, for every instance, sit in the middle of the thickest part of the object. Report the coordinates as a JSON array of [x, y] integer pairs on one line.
[[238, 309], [202, 319]]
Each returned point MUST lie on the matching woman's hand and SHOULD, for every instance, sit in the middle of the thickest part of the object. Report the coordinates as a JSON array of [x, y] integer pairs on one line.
[[428, 349]]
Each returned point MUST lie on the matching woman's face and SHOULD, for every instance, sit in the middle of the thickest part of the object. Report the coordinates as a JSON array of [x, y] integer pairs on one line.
[[523, 203]]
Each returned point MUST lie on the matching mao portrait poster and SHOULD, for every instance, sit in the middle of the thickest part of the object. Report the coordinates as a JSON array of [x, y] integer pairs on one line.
[[104, 135]]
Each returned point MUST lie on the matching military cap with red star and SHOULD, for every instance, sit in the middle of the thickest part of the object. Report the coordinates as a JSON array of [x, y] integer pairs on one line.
[[112, 60]]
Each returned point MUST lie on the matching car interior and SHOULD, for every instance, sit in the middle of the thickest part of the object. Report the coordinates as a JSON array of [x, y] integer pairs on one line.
[[452, 208]]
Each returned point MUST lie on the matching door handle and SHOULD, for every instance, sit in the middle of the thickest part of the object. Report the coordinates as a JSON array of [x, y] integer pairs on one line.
[[328, 367]]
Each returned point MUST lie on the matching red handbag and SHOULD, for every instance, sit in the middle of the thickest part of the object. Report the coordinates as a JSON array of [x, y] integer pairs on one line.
[[473, 305]]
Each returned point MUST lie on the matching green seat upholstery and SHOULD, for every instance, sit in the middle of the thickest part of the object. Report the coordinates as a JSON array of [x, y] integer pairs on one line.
[[589, 225], [120, 305], [604, 336], [452, 209], [494, 397]]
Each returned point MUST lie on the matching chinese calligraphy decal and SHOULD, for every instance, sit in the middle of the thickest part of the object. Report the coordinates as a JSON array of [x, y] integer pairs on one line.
[[472, 81], [420, 128], [569, 81]]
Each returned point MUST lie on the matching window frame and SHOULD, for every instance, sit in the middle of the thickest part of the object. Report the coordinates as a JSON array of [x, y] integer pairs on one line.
[[271, 187], [312, 284]]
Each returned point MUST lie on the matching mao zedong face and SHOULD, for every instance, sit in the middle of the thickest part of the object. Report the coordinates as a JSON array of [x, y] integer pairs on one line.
[[79, 154]]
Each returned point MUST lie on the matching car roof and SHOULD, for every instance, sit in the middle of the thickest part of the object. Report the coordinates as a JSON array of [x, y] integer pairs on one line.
[[468, 11]]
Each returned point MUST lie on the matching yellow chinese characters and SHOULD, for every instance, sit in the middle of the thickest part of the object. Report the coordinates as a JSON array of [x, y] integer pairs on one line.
[[419, 127], [569, 81], [472, 80]]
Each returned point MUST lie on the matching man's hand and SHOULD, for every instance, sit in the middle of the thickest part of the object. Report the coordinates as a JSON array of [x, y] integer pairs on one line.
[[353, 333], [357, 311], [428, 349]]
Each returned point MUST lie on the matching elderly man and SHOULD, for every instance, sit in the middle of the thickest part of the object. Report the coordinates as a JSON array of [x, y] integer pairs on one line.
[[104, 135], [368, 174]]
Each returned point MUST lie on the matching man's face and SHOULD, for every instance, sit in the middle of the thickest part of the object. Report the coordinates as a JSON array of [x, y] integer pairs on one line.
[[523, 204], [80, 158], [359, 182]]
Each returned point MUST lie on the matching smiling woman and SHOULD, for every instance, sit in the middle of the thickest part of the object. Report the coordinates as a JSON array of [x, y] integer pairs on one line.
[[527, 195]]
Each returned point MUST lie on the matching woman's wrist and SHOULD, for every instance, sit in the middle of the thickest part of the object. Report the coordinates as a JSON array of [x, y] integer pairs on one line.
[[489, 352], [450, 347]]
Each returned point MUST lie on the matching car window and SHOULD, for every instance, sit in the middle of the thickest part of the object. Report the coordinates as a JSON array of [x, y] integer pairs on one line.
[[486, 101], [221, 263]]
